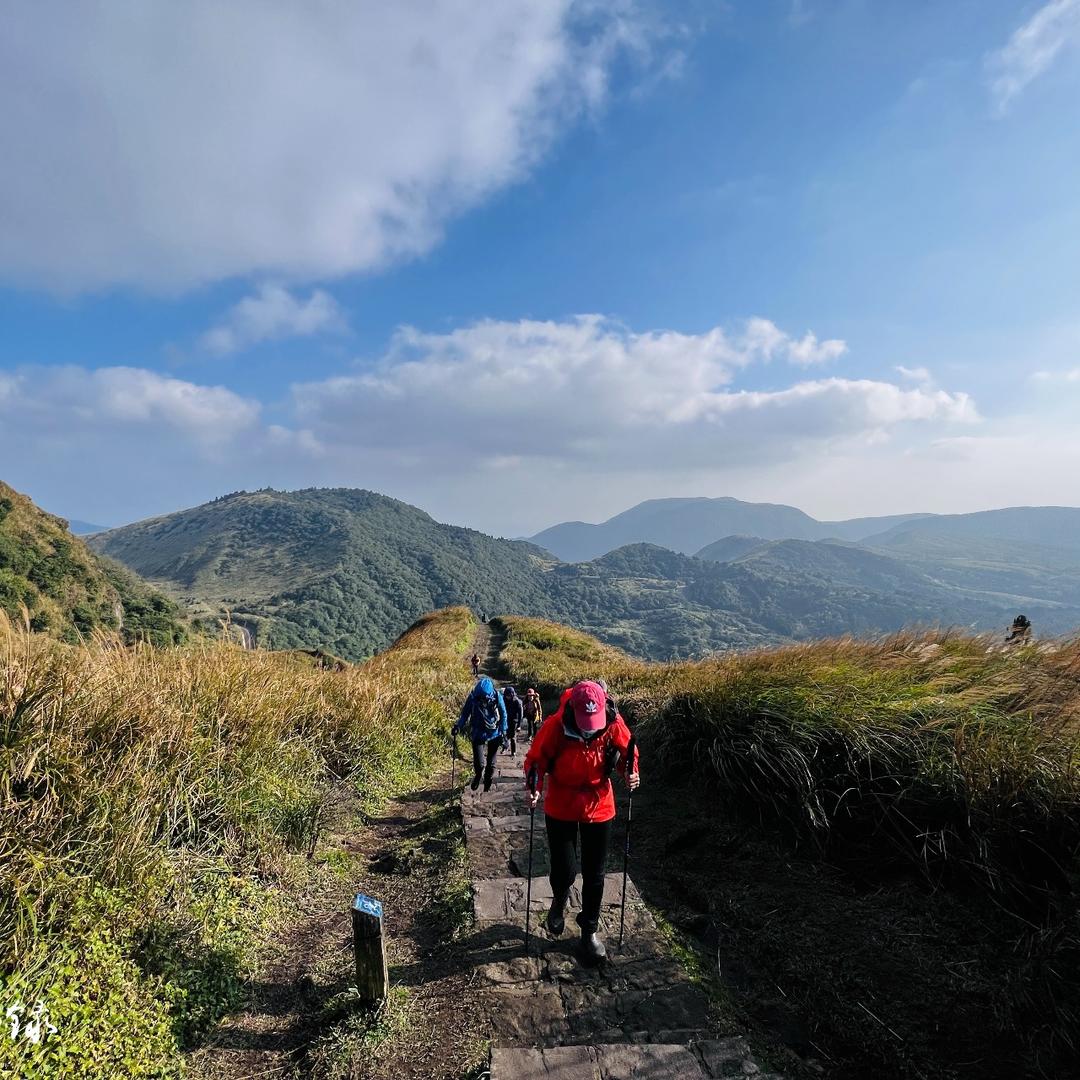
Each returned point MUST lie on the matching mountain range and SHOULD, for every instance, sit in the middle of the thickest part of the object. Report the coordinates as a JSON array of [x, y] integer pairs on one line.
[[687, 525], [347, 570]]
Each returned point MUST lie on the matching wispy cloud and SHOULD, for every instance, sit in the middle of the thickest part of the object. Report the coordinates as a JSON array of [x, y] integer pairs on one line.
[[271, 314], [160, 144], [799, 12], [1032, 49], [920, 375]]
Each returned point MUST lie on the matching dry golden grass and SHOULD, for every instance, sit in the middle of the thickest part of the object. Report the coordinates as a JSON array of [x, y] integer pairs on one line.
[[129, 777], [949, 747]]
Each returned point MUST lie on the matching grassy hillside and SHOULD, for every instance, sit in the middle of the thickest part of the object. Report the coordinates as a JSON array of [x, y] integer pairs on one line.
[[152, 800], [65, 588], [337, 568], [881, 841]]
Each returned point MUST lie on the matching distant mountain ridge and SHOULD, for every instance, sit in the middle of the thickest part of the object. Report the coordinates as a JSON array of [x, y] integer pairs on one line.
[[85, 528], [348, 570], [687, 525]]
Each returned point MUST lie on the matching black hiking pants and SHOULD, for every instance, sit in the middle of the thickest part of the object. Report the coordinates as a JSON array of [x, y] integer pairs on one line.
[[563, 846], [478, 763]]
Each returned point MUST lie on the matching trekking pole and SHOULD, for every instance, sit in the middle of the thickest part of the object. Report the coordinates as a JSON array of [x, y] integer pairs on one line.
[[532, 826], [453, 762], [626, 846]]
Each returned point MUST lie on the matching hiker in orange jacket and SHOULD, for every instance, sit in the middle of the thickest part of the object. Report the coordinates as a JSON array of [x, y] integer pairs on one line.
[[576, 751]]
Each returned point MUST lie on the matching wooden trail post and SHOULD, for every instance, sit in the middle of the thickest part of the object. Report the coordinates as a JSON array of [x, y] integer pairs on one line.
[[369, 948]]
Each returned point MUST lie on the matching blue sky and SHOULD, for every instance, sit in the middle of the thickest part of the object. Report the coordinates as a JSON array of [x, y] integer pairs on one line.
[[542, 261]]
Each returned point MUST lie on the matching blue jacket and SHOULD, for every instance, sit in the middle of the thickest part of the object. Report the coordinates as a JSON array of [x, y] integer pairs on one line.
[[472, 716]]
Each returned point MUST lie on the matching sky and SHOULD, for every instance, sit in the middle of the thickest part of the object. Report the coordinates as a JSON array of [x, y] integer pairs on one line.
[[539, 260]]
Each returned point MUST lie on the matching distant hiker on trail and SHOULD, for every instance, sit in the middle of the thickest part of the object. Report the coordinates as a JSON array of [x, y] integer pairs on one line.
[[577, 749], [514, 715], [475, 660], [1021, 629], [534, 711], [483, 717]]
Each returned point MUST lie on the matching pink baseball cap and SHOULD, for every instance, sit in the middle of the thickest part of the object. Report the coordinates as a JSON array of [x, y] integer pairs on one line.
[[589, 703]]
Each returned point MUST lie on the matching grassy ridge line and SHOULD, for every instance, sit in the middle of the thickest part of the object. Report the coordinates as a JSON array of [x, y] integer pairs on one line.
[[939, 745], [151, 799], [941, 756]]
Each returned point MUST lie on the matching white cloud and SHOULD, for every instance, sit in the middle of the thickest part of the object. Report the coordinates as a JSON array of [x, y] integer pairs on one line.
[[165, 145], [71, 403], [548, 413], [1032, 48], [919, 375], [808, 350], [271, 314], [593, 394], [1071, 375]]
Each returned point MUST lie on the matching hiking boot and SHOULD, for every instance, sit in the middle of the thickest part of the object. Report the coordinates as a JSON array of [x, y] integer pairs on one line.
[[556, 920], [488, 776], [475, 783], [592, 948]]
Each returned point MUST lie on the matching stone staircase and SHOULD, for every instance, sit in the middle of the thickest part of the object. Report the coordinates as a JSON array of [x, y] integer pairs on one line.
[[636, 1016]]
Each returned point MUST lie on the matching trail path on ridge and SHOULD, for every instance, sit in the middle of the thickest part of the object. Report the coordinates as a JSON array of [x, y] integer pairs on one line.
[[638, 1015]]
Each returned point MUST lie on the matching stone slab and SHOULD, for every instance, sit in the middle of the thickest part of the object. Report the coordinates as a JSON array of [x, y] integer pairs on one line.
[[501, 899], [619, 1061]]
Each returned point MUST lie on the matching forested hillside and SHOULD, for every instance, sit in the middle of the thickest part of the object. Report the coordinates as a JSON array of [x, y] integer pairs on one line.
[[346, 570], [65, 589]]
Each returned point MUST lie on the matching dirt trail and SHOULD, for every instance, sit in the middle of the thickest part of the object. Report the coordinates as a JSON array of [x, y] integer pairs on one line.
[[460, 982], [299, 1019]]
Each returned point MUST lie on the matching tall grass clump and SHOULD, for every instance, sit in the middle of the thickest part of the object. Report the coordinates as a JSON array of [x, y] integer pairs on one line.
[[148, 802], [940, 749], [936, 759]]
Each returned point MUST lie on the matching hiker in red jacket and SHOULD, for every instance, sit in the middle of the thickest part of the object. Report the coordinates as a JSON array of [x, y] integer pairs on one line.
[[577, 749]]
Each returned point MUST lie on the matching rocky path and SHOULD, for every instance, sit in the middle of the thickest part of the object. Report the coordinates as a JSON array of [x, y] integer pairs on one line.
[[638, 1015]]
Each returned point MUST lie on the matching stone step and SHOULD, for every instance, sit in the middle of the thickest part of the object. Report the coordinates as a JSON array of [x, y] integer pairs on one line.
[[503, 899], [704, 1060]]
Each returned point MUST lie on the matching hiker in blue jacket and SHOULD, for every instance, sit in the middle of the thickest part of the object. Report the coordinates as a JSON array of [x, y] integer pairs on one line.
[[483, 716]]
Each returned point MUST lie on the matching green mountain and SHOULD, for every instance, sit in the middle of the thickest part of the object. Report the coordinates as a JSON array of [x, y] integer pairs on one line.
[[341, 569], [730, 547], [65, 588], [347, 570], [688, 525]]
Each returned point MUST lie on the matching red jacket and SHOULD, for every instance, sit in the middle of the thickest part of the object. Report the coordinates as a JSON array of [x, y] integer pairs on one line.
[[577, 788]]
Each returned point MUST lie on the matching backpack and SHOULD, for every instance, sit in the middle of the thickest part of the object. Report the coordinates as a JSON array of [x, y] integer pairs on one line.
[[488, 710]]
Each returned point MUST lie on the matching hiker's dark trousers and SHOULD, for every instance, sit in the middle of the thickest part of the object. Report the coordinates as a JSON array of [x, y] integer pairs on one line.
[[563, 845], [511, 734], [478, 758]]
